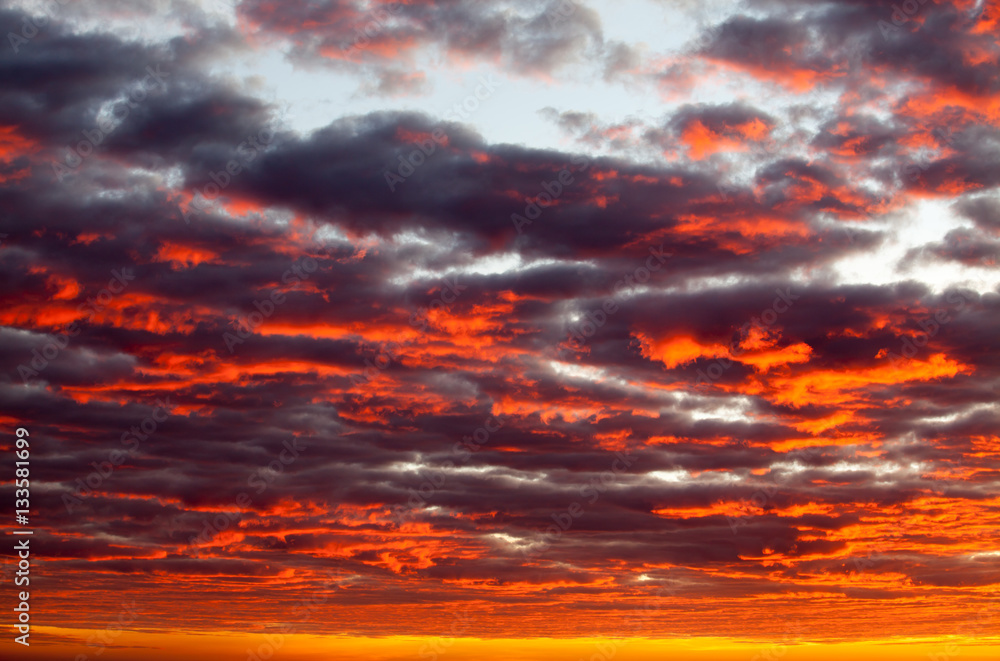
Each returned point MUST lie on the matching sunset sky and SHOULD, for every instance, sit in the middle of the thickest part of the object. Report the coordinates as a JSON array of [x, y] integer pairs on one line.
[[503, 329]]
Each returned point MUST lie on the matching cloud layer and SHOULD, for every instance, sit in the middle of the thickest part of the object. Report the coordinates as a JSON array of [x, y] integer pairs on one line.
[[545, 383]]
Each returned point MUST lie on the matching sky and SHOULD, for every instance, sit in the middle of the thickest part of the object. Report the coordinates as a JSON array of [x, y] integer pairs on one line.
[[524, 330]]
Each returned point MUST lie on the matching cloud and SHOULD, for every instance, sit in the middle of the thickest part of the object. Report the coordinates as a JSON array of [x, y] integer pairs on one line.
[[364, 286]]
